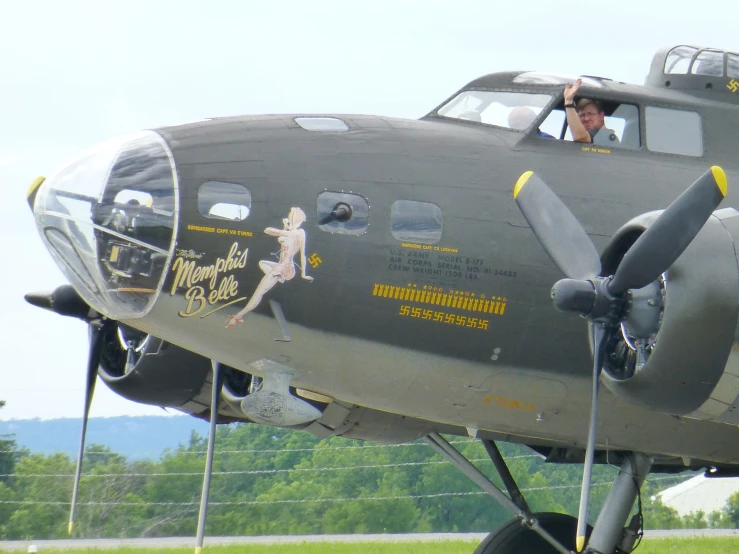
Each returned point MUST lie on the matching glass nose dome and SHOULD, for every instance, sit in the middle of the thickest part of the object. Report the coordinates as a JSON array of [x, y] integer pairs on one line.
[[109, 219]]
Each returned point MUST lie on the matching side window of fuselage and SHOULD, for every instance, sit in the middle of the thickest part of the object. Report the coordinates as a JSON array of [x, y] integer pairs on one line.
[[220, 200], [343, 213], [417, 222], [674, 131]]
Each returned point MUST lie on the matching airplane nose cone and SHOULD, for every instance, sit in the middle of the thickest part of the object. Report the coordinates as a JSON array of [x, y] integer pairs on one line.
[[39, 299], [64, 300], [109, 220]]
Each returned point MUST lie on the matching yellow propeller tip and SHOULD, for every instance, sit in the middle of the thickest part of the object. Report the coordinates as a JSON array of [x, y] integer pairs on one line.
[[198, 550], [69, 527], [522, 180], [580, 543], [721, 181]]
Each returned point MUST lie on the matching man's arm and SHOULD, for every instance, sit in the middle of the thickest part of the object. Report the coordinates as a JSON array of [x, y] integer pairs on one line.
[[578, 130]]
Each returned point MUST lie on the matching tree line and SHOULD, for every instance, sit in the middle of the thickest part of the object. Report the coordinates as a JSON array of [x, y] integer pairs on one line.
[[274, 481]]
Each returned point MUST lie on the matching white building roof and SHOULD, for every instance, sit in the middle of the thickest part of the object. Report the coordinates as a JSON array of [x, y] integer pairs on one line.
[[700, 493]]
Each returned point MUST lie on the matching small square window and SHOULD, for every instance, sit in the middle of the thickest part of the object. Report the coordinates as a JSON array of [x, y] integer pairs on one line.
[[412, 221], [218, 200]]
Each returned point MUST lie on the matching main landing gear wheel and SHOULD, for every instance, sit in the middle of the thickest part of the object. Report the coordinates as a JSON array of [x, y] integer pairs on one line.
[[516, 538]]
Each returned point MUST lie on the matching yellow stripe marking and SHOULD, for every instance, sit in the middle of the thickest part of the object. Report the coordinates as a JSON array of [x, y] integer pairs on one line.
[[721, 181], [522, 180], [495, 305]]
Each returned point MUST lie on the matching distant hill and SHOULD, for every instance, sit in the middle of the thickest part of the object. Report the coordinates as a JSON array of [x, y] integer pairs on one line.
[[136, 438]]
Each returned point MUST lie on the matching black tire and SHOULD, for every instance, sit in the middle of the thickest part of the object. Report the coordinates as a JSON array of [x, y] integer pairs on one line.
[[515, 538]]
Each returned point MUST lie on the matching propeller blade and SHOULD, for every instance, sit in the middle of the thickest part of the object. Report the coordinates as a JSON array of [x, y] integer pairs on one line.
[[558, 231], [599, 334], [214, 400], [97, 333], [662, 243]]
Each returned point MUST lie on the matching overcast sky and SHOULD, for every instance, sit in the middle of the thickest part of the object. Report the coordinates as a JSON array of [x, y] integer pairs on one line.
[[75, 73]]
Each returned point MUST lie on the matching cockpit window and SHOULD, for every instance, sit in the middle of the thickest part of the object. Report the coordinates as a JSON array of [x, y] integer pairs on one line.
[[536, 78], [709, 62], [678, 60], [512, 110], [732, 66], [219, 200]]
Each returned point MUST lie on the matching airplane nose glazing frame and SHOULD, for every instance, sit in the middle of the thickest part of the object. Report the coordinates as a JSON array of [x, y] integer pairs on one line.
[[109, 219]]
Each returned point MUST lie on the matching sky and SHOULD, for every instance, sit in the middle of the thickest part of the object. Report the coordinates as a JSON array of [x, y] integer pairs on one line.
[[75, 73]]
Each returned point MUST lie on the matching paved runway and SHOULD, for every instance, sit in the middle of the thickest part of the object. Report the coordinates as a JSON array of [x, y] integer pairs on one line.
[[169, 542]]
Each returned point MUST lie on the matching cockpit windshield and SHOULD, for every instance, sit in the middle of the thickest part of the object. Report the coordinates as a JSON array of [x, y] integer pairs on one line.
[[512, 110]]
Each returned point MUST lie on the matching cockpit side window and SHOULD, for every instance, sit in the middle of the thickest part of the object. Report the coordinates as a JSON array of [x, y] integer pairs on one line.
[[678, 60], [709, 62], [732, 66], [620, 129], [510, 110], [219, 200], [674, 131]]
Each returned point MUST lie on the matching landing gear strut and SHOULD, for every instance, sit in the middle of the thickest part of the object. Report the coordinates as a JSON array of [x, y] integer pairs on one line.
[[551, 533]]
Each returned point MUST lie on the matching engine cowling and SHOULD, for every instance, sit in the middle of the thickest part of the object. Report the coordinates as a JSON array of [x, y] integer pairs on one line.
[[159, 373], [690, 366]]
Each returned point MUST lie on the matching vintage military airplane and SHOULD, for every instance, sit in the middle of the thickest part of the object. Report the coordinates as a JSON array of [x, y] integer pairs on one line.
[[388, 279]]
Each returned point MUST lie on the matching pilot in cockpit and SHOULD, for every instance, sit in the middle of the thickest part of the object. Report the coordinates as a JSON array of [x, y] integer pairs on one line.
[[586, 118]]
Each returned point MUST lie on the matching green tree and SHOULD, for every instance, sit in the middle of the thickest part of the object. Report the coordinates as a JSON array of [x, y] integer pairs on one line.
[[8, 455], [659, 516], [43, 486], [732, 509]]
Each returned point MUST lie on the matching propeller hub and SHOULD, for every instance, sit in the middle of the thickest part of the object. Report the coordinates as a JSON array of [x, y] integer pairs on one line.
[[574, 295], [64, 300]]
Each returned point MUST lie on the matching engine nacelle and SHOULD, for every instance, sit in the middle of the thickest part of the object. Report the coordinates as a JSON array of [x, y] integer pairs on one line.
[[160, 373], [692, 363]]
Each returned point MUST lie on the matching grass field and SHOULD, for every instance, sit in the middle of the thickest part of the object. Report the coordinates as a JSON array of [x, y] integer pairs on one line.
[[649, 546]]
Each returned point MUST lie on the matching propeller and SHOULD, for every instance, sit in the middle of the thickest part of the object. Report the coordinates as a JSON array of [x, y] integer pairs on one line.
[[66, 301], [603, 301]]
